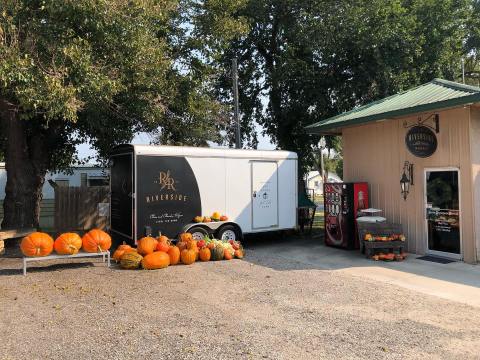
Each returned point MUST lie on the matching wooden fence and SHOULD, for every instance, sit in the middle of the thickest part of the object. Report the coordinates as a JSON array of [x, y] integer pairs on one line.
[[78, 209], [47, 213]]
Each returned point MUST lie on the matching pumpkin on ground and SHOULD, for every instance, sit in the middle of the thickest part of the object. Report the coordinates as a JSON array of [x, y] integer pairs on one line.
[[131, 260], [239, 254], [163, 246], [192, 245], [182, 245], [96, 240], [37, 244], [163, 239], [146, 245], [204, 254], [67, 244], [188, 256], [156, 260], [117, 255], [227, 255], [218, 253], [186, 237], [174, 254]]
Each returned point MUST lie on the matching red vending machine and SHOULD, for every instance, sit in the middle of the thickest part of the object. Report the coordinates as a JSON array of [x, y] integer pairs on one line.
[[343, 202]]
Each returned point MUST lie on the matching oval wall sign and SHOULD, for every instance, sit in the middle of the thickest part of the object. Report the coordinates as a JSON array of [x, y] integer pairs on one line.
[[421, 141]]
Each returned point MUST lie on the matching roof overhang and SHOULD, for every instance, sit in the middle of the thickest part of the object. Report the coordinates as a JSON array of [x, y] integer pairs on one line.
[[334, 125]]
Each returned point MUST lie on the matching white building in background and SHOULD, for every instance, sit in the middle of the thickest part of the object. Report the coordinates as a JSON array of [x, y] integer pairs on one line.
[[85, 175], [314, 181]]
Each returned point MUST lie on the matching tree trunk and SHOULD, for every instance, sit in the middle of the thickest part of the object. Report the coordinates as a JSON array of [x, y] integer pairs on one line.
[[26, 164]]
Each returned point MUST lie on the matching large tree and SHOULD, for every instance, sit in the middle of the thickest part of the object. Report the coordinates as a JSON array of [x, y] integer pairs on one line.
[[313, 59], [90, 70]]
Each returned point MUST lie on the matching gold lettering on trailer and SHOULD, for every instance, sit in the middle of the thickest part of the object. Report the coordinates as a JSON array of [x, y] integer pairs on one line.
[[166, 181]]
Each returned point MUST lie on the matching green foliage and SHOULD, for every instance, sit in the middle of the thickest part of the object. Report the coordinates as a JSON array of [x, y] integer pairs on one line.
[[100, 71], [314, 59]]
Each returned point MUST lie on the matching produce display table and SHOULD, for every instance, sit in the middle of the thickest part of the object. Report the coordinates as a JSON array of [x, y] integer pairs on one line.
[[370, 246], [379, 228], [104, 254]]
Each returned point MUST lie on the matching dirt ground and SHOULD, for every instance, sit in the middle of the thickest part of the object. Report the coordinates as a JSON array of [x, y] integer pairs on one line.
[[263, 307]]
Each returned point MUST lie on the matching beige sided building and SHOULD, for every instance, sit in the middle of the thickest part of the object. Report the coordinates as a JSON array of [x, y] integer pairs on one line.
[[428, 136]]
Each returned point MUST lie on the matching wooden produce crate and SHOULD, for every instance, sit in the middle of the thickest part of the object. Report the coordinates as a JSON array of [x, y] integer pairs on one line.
[[380, 229]]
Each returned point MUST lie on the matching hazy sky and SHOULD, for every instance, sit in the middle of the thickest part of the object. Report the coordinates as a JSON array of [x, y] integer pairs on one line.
[[85, 150]]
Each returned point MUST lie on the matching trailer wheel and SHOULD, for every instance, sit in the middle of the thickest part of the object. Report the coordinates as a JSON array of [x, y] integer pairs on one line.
[[198, 233], [229, 232]]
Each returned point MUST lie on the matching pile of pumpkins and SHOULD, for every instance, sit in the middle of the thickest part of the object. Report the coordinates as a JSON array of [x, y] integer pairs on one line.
[[158, 253], [393, 237], [216, 216], [41, 244], [389, 256]]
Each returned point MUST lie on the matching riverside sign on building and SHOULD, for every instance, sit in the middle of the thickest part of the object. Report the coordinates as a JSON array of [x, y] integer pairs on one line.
[[160, 189]]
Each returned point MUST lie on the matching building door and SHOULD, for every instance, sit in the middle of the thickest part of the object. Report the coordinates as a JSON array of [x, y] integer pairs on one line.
[[443, 212], [264, 195]]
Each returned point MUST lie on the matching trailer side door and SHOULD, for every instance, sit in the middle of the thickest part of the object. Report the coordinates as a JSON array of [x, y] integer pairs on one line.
[[264, 178]]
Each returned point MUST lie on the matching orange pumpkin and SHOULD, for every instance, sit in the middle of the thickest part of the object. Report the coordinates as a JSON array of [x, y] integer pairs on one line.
[[207, 219], [238, 254], [68, 244], [182, 245], [211, 246], [186, 237], [192, 245], [223, 218], [163, 239], [227, 255], [37, 244], [188, 256], [216, 216], [146, 245], [96, 240], [156, 260], [174, 254], [198, 219], [117, 255], [163, 246], [204, 254], [124, 246]]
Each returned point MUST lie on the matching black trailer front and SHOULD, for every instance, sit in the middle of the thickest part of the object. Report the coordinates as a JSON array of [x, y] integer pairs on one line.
[[151, 194]]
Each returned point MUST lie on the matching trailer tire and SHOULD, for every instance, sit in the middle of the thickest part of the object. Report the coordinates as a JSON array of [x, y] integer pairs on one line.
[[229, 232], [198, 233]]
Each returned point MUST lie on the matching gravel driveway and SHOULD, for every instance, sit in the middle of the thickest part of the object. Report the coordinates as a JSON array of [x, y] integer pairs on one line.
[[266, 307]]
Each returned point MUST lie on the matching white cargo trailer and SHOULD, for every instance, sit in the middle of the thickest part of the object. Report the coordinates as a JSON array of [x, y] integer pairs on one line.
[[162, 188]]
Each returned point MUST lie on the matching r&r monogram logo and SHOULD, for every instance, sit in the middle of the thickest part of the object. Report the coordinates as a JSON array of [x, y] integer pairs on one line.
[[166, 181]]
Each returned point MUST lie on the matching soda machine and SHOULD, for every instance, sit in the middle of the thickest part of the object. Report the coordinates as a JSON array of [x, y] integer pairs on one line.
[[343, 204]]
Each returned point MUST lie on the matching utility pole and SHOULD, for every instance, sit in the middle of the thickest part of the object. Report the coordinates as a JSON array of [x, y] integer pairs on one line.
[[238, 141], [463, 70]]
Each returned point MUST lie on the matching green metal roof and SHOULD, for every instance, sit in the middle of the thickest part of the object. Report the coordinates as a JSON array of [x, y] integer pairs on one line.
[[435, 95]]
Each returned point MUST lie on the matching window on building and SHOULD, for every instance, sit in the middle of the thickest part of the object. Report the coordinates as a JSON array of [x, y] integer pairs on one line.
[[63, 182], [83, 179], [316, 183], [99, 181]]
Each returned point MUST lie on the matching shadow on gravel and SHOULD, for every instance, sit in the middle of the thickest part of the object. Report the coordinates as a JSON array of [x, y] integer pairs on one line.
[[283, 252], [48, 268]]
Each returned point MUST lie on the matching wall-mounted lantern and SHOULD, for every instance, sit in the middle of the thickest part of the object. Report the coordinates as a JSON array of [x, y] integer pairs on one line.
[[407, 179]]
